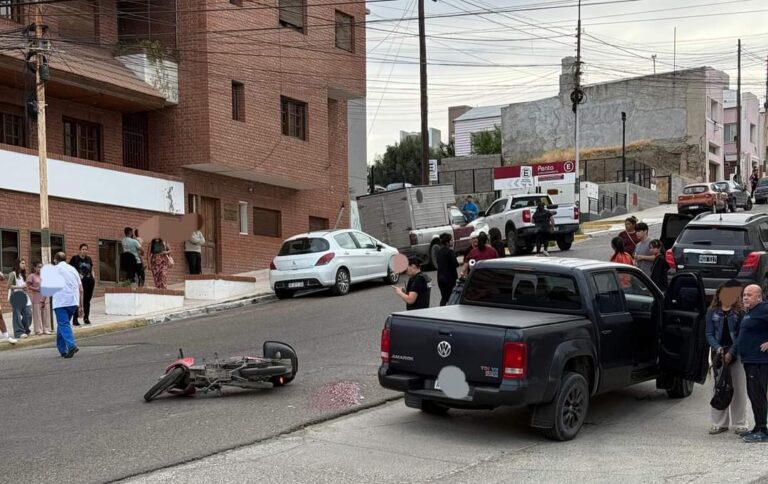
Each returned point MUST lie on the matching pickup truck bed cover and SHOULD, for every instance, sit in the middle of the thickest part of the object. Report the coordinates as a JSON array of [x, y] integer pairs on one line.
[[501, 317]]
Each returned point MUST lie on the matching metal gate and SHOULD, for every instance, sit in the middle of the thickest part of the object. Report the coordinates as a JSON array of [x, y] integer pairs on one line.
[[663, 188]]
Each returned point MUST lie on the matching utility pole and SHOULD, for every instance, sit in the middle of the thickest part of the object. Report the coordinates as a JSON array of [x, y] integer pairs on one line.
[[41, 66], [623, 146], [653, 57], [577, 97], [765, 122], [424, 104], [738, 115]]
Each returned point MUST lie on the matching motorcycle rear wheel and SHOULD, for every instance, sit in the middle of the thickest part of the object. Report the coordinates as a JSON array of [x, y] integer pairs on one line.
[[170, 379]]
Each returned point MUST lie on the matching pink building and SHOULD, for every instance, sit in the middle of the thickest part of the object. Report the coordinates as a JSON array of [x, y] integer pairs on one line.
[[751, 152]]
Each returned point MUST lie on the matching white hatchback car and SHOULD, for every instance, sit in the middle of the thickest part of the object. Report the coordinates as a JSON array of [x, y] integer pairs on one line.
[[330, 258]]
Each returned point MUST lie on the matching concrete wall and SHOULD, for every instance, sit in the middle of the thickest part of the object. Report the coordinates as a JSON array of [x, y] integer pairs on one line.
[[470, 175], [357, 150], [638, 198]]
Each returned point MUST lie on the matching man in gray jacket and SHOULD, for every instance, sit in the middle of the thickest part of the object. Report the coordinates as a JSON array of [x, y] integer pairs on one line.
[[193, 248]]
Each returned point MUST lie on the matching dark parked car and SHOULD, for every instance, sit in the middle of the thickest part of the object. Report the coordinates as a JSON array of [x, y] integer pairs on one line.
[[738, 196], [718, 247], [547, 334], [761, 191]]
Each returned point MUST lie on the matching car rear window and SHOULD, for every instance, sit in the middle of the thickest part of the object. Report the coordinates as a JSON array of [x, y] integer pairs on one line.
[[714, 236], [305, 245], [763, 182], [515, 288], [695, 189]]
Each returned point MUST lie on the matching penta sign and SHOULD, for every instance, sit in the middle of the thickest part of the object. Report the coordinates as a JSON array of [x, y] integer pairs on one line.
[[522, 176]]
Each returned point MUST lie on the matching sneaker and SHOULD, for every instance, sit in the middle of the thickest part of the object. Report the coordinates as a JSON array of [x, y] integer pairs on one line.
[[24, 336], [9, 339], [755, 437], [741, 431], [47, 332], [714, 430], [87, 321], [76, 323], [72, 352], [545, 253]]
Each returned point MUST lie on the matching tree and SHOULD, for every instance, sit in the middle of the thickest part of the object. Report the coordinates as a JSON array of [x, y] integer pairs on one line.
[[487, 142], [401, 162]]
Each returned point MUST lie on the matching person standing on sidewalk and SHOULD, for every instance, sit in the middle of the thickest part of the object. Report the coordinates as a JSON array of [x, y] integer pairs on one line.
[[17, 282], [193, 248], [133, 247], [66, 302], [722, 331], [141, 272], [84, 265], [752, 348], [4, 336], [160, 262], [41, 309]]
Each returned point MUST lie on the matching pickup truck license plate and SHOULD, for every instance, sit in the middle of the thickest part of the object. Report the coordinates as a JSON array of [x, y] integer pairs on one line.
[[294, 285], [707, 259]]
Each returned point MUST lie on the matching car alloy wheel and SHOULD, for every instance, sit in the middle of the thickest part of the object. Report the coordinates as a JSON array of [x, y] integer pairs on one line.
[[341, 287]]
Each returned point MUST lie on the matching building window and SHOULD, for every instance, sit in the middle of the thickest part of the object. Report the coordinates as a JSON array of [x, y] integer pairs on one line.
[[136, 140], [752, 133], [82, 139], [243, 218], [36, 244], [11, 10], [9, 248], [345, 31], [292, 13], [238, 101], [714, 149], [714, 110], [318, 223], [78, 20], [266, 222], [294, 118], [730, 132], [12, 129], [109, 260]]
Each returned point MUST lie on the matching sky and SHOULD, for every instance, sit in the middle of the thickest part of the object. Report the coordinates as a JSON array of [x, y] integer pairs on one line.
[[488, 52]]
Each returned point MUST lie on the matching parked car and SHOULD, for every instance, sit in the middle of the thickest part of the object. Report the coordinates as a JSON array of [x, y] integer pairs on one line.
[[513, 216], [761, 191], [333, 259], [547, 334], [702, 197], [718, 247], [738, 196]]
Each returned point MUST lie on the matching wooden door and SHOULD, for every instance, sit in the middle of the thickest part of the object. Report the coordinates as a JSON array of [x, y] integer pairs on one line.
[[210, 213]]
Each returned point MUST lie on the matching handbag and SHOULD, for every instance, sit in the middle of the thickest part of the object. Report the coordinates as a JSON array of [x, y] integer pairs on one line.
[[723, 384]]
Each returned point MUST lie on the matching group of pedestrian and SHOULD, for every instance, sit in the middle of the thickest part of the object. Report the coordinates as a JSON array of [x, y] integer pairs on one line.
[[737, 333], [633, 246]]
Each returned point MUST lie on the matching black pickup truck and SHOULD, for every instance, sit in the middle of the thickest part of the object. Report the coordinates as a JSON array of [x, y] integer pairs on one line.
[[547, 333]]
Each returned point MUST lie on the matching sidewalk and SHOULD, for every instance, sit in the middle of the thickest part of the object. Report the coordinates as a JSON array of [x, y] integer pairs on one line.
[[102, 323], [651, 216]]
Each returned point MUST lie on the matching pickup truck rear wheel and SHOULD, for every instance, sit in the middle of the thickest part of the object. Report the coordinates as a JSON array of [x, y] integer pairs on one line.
[[512, 242], [564, 244], [680, 388], [570, 407]]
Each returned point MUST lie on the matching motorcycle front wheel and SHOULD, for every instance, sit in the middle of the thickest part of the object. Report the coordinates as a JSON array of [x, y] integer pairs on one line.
[[170, 379]]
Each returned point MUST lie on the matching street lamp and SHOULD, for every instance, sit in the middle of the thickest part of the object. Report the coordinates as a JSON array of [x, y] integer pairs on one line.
[[623, 146]]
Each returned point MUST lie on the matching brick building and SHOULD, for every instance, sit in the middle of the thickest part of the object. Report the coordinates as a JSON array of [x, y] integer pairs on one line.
[[231, 108]]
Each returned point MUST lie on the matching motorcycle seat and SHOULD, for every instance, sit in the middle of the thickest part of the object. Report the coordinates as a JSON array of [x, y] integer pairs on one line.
[[266, 372]]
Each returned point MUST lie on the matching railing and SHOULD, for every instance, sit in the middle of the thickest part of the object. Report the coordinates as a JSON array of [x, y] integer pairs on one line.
[[608, 202]]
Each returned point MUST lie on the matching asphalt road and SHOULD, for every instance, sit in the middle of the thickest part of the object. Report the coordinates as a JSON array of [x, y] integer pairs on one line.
[[84, 420]]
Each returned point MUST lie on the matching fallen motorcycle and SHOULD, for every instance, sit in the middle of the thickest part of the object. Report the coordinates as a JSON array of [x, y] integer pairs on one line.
[[277, 366]]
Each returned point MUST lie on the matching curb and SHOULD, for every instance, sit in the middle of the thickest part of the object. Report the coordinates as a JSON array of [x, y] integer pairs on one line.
[[84, 332]]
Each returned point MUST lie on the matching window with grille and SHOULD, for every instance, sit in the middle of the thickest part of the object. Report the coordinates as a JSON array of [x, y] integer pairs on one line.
[[238, 101], [9, 249], [36, 247], [266, 222], [292, 13], [294, 118], [318, 223], [344, 31], [11, 10], [12, 129], [82, 139]]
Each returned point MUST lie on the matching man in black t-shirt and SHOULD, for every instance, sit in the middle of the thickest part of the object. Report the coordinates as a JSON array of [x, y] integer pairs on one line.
[[416, 293]]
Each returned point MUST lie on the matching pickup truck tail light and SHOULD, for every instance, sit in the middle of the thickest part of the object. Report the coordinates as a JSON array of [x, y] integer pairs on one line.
[[325, 259], [272, 266], [526, 216], [669, 256], [413, 238], [751, 262], [385, 345], [515, 361], [576, 213]]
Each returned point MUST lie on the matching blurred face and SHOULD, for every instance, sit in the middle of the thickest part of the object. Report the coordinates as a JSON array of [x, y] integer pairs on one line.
[[23, 265], [83, 251], [642, 234], [473, 241], [655, 251], [412, 270], [38, 267], [752, 296]]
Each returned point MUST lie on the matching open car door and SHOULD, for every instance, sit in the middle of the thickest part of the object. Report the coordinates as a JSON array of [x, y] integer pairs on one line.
[[673, 225], [683, 349]]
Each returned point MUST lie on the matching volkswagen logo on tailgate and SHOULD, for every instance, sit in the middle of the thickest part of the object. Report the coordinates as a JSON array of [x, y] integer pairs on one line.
[[444, 349]]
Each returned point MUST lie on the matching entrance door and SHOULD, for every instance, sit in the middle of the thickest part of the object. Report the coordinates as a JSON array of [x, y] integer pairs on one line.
[[684, 349], [210, 213]]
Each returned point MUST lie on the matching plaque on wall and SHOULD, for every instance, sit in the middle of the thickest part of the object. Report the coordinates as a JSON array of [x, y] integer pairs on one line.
[[230, 212]]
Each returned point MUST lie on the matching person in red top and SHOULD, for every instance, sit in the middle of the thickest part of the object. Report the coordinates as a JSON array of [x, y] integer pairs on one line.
[[483, 251], [622, 257], [629, 236]]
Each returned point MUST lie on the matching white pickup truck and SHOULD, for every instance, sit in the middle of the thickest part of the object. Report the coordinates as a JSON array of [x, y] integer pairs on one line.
[[513, 216]]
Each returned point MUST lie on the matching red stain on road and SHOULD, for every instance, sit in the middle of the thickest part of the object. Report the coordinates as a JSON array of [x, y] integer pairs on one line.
[[335, 396]]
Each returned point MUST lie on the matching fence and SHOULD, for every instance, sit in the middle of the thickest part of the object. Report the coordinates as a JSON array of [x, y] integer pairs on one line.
[[607, 202]]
